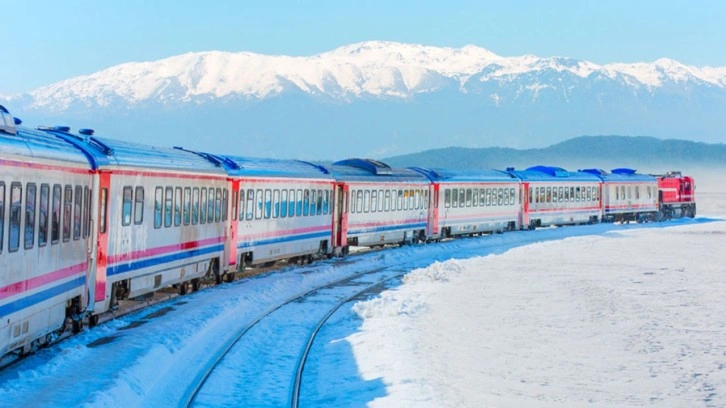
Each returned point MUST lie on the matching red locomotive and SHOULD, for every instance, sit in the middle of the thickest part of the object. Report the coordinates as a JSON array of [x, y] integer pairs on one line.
[[676, 195]]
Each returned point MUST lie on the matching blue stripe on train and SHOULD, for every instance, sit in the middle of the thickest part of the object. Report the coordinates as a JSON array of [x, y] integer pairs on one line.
[[283, 238], [160, 260], [41, 296], [388, 228]]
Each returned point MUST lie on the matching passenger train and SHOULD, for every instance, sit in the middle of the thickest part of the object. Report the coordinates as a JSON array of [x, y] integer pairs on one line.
[[87, 221]]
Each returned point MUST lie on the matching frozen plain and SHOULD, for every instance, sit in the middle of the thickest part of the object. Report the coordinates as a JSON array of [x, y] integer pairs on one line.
[[589, 316]]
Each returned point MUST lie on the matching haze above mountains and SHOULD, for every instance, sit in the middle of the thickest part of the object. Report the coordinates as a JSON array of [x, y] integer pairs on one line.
[[381, 99]]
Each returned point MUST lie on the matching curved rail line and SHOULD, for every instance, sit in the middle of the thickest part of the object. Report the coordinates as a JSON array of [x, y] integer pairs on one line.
[[297, 383], [202, 375]]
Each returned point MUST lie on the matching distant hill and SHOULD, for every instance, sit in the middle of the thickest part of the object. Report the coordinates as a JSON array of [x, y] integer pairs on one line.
[[648, 153]]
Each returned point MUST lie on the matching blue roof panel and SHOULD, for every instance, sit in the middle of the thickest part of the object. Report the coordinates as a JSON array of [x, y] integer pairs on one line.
[[260, 167], [549, 173], [447, 175]]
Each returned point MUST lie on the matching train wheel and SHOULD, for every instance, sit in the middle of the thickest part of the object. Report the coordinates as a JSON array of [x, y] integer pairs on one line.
[[182, 289], [93, 320], [195, 285]]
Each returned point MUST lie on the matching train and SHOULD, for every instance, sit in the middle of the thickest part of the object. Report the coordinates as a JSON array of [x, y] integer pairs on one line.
[[87, 221]]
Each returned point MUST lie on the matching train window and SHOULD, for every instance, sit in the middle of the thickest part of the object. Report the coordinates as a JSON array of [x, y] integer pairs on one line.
[[622, 192], [67, 212], [374, 200], [268, 203], [353, 201], [561, 194], [357, 204], [225, 197], [291, 204], [203, 205], [177, 206], [86, 212], [218, 206], [381, 196], [455, 197], [447, 198], [512, 199], [250, 205], [158, 203], [30, 194], [42, 215], [410, 200], [589, 193], [235, 202], [417, 199], [103, 216], [630, 192], [387, 200], [2, 214], [77, 213], [195, 205], [210, 206], [326, 202], [426, 199], [650, 193], [595, 194], [275, 203], [506, 196], [567, 194], [468, 197], [168, 206], [313, 202], [242, 199], [258, 204], [187, 205], [299, 203], [126, 206], [16, 197], [405, 199], [283, 203], [320, 202], [475, 197]]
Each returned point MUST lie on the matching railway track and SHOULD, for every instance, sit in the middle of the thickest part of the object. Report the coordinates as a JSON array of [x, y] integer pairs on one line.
[[327, 299]]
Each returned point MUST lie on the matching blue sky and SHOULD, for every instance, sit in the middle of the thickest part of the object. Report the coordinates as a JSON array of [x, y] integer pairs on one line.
[[47, 41]]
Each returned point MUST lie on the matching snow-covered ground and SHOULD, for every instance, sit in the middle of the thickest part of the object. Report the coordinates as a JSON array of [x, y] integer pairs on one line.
[[602, 315], [624, 318]]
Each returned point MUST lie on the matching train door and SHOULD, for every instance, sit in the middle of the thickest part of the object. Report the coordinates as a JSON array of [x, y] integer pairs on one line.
[[340, 219], [99, 241], [230, 235], [433, 221], [524, 208]]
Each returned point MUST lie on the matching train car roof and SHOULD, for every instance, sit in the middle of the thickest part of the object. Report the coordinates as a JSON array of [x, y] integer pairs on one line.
[[27, 142], [107, 152], [261, 167], [372, 170], [474, 175], [551, 173], [620, 174]]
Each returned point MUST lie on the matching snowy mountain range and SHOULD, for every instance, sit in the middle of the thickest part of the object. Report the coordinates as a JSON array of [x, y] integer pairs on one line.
[[381, 98]]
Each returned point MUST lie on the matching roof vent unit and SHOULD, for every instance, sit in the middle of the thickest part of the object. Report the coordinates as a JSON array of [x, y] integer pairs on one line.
[[373, 166], [623, 170], [551, 170], [597, 172], [18, 121], [62, 128], [7, 122], [87, 132]]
